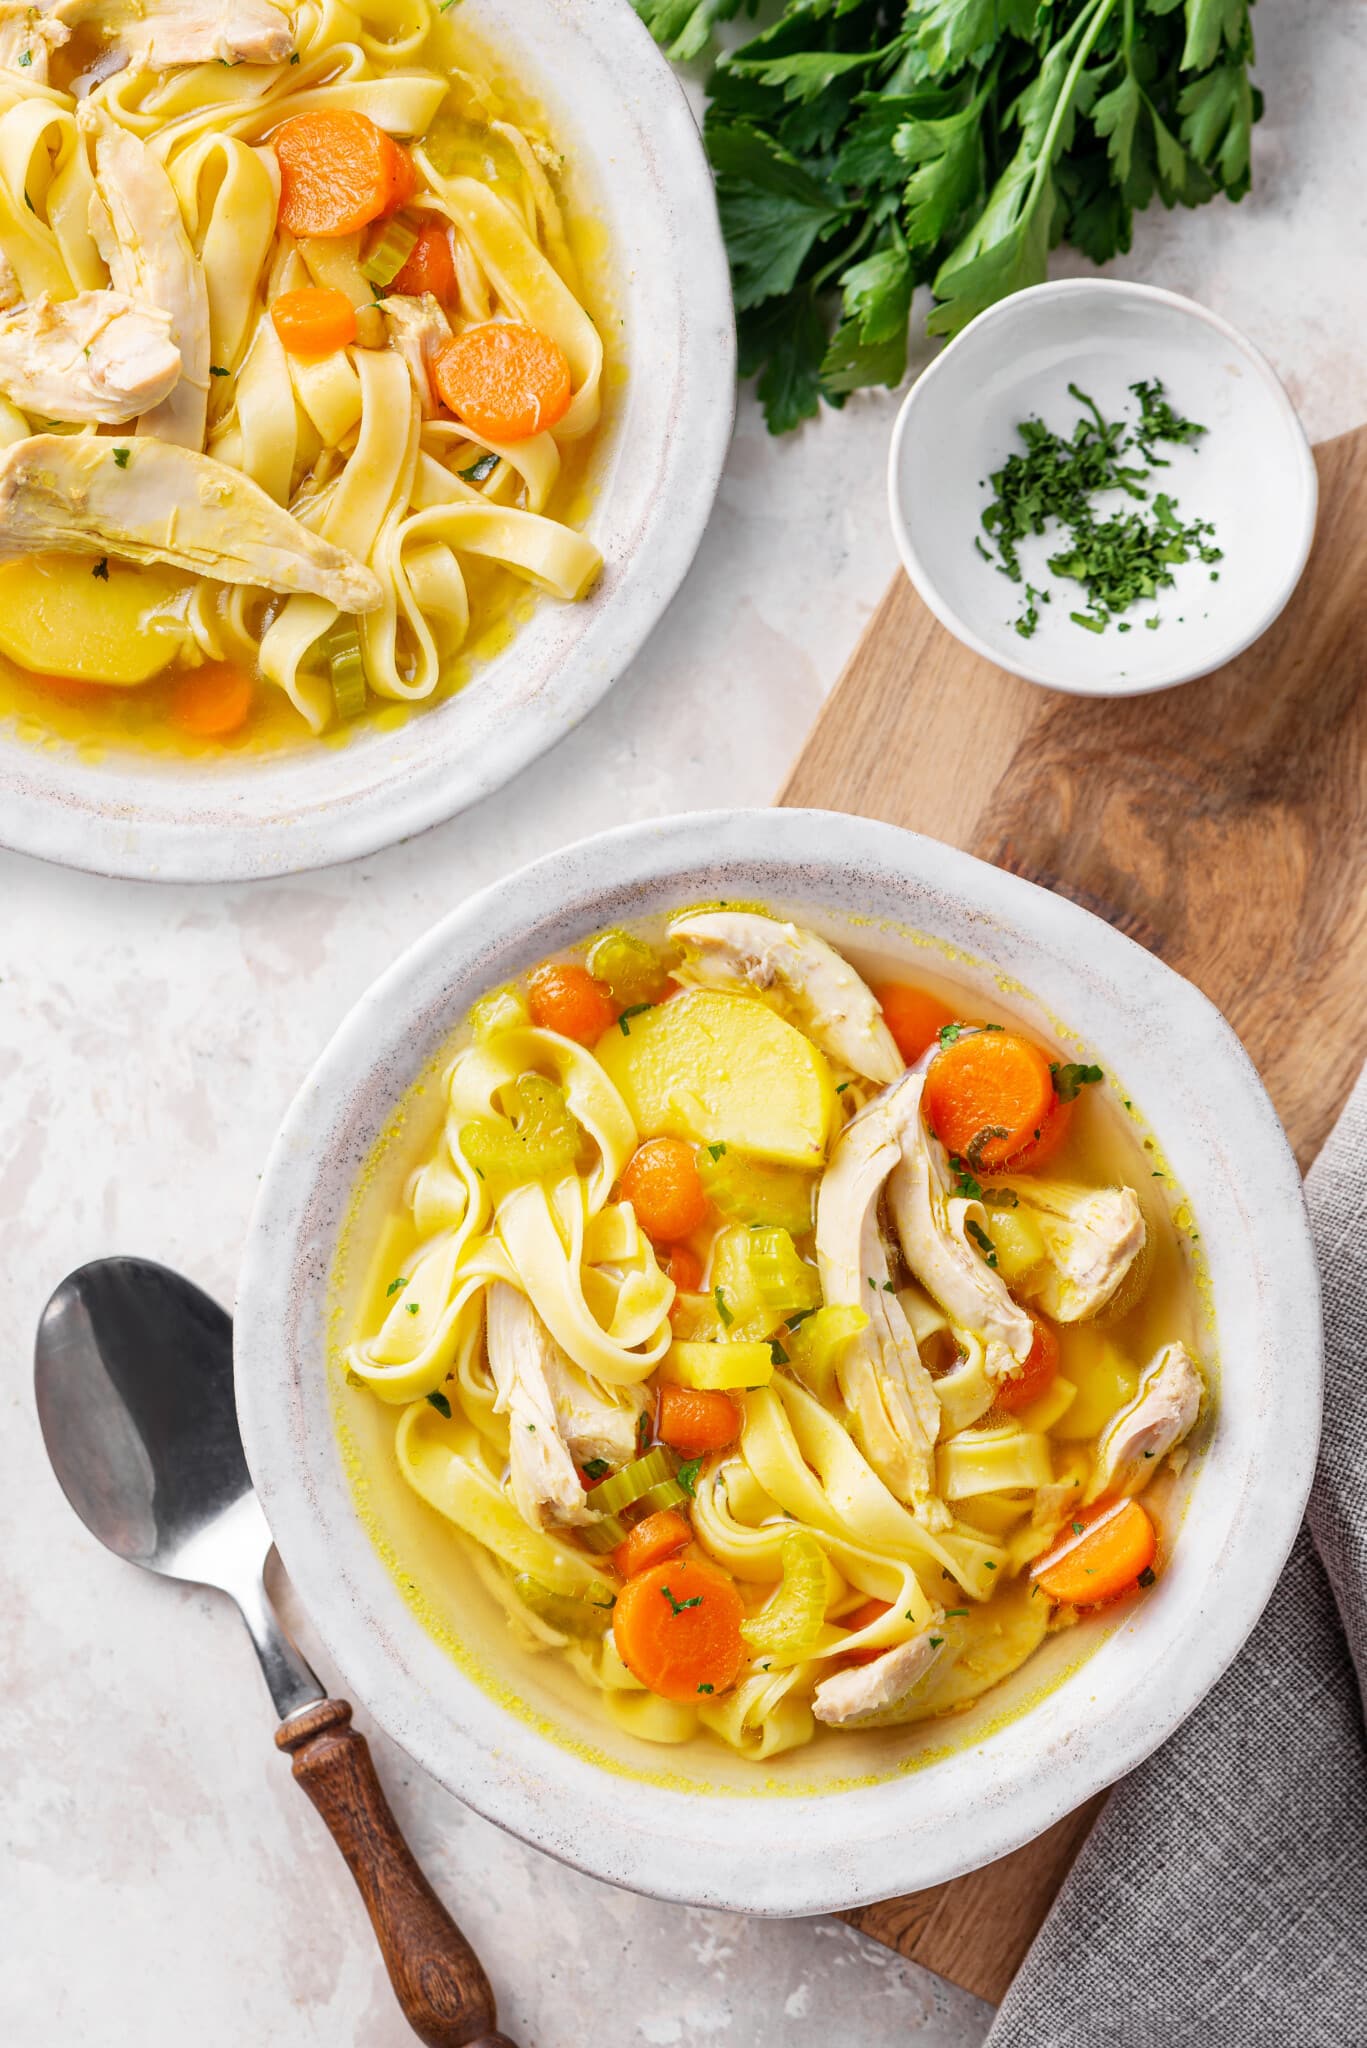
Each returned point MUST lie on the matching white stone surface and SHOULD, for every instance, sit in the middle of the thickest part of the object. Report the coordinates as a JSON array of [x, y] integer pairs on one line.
[[162, 1881]]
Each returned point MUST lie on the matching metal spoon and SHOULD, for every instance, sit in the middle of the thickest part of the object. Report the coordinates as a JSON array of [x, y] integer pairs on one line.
[[133, 1372]]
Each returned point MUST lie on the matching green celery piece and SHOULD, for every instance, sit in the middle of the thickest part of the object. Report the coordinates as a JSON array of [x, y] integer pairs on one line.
[[541, 1141]]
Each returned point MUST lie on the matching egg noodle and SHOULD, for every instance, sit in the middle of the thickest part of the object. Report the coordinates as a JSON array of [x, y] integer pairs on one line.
[[351, 441], [795, 1509]]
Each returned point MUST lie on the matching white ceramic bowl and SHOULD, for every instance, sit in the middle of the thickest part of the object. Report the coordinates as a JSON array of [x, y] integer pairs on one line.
[[612, 97], [1252, 475], [798, 1834]]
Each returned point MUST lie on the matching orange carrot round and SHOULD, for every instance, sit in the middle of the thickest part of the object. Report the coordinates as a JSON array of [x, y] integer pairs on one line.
[[213, 701], [987, 1095], [1036, 1376], [677, 1629], [1051, 1137], [652, 1540], [503, 380], [338, 172], [430, 266], [662, 1184], [567, 999], [913, 1015], [695, 1420], [864, 1616], [684, 1268], [314, 321], [1100, 1554]]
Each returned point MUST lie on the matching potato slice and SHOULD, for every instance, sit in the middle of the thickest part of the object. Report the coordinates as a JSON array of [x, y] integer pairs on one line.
[[60, 619], [723, 1069], [1105, 1380]]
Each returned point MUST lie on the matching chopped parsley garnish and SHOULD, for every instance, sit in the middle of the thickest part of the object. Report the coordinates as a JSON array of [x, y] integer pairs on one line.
[[413, 1307], [597, 1468], [715, 1152], [988, 1565], [678, 1606], [981, 1240], [1002, 1198], [799, 1315], [441, 1404], [964, 1182], [476, 474], [101, 569], [121, 456], [722, 1310], [777, 1352], [294, 56], [400, 1281], [935, 1642], [1147, 1576], [1119, 559], [217, 370], [1072, 1075], [705, 1687], [687, 1475], [632, 1010], [642, 1430], [27, 57], [1077, 1528], [949, 1032], [952, 1612]]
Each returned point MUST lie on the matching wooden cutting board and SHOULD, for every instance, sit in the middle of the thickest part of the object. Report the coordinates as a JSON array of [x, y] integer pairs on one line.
[[1223, 826]]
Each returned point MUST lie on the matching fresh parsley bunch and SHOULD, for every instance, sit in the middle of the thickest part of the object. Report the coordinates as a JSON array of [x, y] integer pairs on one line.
[[863, 147]]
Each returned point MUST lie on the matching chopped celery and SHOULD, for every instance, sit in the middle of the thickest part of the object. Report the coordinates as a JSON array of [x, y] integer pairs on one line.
[[723, 1367], [632, 971], [389, 252], [346, 669], [790, 1621], [783, 1281], [502, 1009], [666, 1494], [542, 1140], [603, 1535], [574, 1614], [620, 1489], [817, 1345], [747, 1190]]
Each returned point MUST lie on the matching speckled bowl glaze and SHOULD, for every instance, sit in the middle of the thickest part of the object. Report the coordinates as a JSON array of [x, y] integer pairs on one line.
[[791, 1836], [613, 99]]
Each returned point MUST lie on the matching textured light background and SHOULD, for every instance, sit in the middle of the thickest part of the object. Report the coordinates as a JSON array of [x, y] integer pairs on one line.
[[161, 1879]]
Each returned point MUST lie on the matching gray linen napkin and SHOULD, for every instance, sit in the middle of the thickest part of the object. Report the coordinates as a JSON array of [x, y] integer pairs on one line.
[[1221, 1899]]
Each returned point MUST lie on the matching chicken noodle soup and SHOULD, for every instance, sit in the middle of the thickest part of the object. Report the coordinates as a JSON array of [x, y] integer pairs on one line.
[[294, 362], [788, 1354]]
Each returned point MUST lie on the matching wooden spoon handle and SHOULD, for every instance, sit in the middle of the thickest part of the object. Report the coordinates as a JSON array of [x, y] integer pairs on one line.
[[436, 1975]]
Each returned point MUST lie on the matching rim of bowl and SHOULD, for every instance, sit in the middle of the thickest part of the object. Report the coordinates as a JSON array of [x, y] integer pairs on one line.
[[1001, 315], [836, 1849], [133, 826]]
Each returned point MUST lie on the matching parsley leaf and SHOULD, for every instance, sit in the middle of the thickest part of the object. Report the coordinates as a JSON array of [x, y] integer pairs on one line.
[[1071, 1076], [121, 456], [441, 1404], [687, 1475]]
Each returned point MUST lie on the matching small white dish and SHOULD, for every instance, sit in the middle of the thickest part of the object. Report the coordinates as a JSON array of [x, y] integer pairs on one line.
[[879, 1812], [615, 104], [1252, 475]]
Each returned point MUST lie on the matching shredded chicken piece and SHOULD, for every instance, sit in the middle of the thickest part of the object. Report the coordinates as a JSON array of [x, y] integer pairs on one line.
[[931, 1223], [1162, 1412], [99, 357], [526, 1361], [1092, 1237], [151, 502], [417, 328], [890, 1396], [141, 236], [595, 1421], [850, 1695], [29, 33], [827, 998], [163, 35]]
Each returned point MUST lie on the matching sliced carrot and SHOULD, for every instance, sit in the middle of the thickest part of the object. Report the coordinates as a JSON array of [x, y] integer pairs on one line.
[[1036, 1376], [864, 1616], [567, 999], [212, 701], [677, 1629], [986, 1096], [913, 1015], [71, 689], [430, 266], [314, 321], [505, 381], [696, 1421], [338, 172], [1100, 1554], [652, 1540], [684, 1268], [1050, 1138], [662, 1184]]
